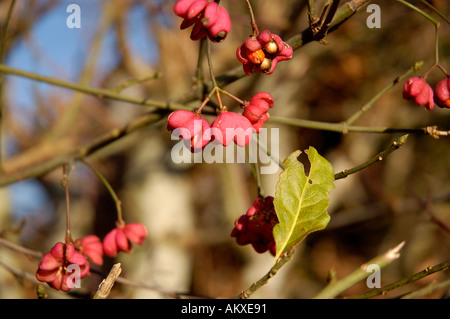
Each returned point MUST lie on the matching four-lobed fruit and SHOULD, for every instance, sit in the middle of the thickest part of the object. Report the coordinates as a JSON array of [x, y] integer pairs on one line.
[[122, 237], [263, 52], [257, 110], [231, 126], [442, 93], [209, 19], [57, 266], [255, 227], [418, 89], [193, 129]]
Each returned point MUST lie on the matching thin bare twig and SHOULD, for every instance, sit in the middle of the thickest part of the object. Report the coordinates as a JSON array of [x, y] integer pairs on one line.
[[104, 289], [337, 287], [272, 272], [383, 290], [379, 157]]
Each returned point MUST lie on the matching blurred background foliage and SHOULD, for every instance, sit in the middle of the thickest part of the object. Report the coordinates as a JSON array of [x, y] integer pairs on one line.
[[189, 209]]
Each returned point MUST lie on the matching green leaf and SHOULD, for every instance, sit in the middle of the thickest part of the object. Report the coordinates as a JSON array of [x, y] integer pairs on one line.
[[301, 201]]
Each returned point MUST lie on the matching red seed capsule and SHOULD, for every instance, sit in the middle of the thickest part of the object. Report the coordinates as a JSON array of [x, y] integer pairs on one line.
[[442, 90], [418, 89]]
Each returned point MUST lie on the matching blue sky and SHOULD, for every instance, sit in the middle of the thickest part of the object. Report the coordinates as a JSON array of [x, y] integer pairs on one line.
[[55, 50]]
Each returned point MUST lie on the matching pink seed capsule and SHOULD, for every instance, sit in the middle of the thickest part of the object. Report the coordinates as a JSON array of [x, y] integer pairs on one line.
[[229, 126], [442, 93], [418, 89]]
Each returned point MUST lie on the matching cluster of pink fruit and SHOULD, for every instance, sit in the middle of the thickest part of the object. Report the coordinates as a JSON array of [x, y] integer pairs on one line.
[[260, 52], [57, 267], [418, 89], [227, 127]]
